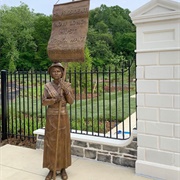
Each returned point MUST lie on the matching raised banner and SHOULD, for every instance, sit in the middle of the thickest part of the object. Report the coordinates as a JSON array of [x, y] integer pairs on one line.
[[69, 32]]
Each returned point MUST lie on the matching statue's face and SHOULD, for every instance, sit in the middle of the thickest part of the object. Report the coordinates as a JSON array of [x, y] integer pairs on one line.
[[56, 73]]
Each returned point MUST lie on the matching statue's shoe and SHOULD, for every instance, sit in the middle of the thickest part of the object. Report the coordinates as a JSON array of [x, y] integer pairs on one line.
[[49, 176], [64, 175]]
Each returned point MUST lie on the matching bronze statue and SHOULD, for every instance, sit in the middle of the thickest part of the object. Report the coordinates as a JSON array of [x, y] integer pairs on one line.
[[57, 144]]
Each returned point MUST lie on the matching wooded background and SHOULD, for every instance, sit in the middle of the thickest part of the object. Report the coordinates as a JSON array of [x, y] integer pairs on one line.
[[24, 36]]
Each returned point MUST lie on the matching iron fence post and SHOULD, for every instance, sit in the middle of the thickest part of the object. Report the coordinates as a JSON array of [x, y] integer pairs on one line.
[[4, 103]]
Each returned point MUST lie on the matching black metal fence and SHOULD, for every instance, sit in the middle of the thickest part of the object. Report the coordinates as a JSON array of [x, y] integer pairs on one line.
[[104, 102]]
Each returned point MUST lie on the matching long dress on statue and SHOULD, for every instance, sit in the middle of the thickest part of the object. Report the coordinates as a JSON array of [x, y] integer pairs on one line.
[[52, 90]]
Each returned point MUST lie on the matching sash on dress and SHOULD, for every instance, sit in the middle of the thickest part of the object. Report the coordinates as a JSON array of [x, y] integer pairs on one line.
[[51, 90]]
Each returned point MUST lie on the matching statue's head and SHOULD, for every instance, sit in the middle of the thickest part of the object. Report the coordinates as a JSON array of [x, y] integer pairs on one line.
[[55, 66], [58, 65]]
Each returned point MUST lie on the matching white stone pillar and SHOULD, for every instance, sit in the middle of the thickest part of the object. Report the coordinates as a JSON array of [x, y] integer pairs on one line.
[[158, 89]]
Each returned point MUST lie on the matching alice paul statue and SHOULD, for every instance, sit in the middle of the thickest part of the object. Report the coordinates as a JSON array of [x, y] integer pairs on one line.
[[57, 144]]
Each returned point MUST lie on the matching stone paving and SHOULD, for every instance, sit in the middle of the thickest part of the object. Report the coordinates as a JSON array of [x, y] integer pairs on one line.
[[19, 163]]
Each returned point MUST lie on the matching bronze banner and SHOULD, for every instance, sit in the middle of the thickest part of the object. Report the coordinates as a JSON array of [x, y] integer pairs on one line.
[[69, 31]]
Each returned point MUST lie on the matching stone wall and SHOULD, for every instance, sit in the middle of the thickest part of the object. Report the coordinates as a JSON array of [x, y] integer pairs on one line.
[[123, 155]]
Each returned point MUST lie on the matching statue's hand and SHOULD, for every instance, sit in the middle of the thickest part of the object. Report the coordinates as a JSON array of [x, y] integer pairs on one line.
[[59, 98], [64, 87], [63, 84]]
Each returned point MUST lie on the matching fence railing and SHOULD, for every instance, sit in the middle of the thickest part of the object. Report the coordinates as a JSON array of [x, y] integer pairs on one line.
[[104, 102]]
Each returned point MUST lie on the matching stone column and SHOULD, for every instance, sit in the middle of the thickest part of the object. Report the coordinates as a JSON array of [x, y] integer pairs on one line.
[[158, 89]]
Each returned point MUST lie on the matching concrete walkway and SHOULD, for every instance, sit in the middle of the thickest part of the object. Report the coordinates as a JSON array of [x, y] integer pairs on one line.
[[19, 163]]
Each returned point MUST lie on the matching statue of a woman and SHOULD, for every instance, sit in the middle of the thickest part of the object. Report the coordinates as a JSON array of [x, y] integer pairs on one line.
[[54, 92]]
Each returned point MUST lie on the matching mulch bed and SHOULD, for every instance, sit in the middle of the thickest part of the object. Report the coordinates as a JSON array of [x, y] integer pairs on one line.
[[29, 143]]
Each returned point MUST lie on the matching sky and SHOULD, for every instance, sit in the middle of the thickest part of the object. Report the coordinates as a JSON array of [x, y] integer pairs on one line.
[[46, 6]]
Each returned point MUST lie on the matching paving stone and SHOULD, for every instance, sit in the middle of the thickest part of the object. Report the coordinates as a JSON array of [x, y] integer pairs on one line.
[[77, 151], [104, 158], [80, 143], [96, 146], [90, 154], [116, 160], [128, 162], [110, 148]]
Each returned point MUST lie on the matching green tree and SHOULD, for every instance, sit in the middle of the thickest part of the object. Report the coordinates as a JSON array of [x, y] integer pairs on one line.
[[24, 36], [102, 53], [81, 66], [100, 46], [16, 35], [101, 27], [41, 34], [111, 35], [125, 44]]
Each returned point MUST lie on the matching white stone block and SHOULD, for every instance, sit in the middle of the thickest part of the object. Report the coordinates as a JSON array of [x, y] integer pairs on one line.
[[159, 72], [160, 129], [147, 141], [170, 115], [170, 144], [147, 58], [177, 102], [155, 35], [141, 126], [140, 72], [140, 100], [160, 157], [152, 100], [169, 57], [177, 131], [158, 35], [177, 72], [147, 86], [147, 113], [157, 171], [170, 87], [141, 153], [177, 160]]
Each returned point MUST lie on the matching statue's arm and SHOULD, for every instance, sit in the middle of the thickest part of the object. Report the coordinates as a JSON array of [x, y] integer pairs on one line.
[[69, 96], [68, 93]]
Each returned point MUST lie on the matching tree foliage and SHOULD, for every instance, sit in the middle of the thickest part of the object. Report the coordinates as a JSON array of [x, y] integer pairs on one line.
[[17, 45], [81, 66], [111, 34], [24, 36], [42, 31]]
